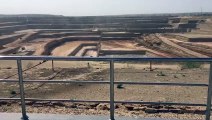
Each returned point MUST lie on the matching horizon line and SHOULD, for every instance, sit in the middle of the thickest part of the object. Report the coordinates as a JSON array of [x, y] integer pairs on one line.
[[165, 13]]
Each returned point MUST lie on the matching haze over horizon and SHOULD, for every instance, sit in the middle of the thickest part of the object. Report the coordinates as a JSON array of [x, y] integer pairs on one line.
[[103, 7]]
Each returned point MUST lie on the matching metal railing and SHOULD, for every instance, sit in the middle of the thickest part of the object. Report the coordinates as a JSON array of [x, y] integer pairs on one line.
[[111, 82]]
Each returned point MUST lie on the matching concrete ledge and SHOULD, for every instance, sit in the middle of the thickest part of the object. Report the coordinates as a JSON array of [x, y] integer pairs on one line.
[[17, 116]]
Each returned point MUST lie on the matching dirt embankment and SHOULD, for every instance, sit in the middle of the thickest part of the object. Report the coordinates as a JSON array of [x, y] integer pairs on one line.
[[185, 50], [165, 45], [197, 47], [153, 43]]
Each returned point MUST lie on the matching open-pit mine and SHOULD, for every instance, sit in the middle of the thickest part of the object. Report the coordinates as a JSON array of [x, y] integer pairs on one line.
[[112, 37], [117, 36]]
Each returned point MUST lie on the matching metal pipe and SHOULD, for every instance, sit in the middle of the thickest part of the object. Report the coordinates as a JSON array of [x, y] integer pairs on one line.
[[107, 82], [104, 59], [164, 84], [9, 81], [208, 109], [21, 86], [112, 108], [67, 81]]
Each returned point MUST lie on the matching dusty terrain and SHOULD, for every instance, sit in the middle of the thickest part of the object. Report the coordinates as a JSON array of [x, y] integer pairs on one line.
[[99, 71]]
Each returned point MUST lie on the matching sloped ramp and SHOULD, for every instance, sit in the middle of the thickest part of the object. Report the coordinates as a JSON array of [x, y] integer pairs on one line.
[[17, 116]]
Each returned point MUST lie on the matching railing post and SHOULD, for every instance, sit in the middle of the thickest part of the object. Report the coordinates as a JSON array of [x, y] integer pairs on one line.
[[112, 108], [52, 65], [21, 86], [208, 109], [150, 66]]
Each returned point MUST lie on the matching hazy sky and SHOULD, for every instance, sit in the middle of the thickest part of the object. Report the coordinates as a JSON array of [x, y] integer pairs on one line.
[[102, 7]]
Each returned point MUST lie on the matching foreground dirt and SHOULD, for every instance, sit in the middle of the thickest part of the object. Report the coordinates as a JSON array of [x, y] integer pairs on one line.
[[99, 72], [157, 111]]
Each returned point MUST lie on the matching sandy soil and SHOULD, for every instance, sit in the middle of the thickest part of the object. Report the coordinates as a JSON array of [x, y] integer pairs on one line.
[[99, 71], [68, 47], [120, 45]]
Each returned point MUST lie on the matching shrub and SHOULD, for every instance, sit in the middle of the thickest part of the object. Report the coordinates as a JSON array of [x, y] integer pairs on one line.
[[161, 74], [190, 65], [12, 92], [29, 65], [175, 76], [120, 86]]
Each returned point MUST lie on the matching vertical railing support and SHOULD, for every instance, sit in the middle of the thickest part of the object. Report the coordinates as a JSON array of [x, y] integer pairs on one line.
[[150, 66], [112, 108], [208, 109], [53, 65], [21, 86]]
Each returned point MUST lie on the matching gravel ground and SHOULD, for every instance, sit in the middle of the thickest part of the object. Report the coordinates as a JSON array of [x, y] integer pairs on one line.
[[101, 92]]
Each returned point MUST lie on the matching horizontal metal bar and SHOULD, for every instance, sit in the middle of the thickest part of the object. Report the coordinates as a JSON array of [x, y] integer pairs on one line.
[[56, 100], [108, 82], [102, 101], [103, 58], [8, 81], [164, 84], [7, 99], [66, 81]]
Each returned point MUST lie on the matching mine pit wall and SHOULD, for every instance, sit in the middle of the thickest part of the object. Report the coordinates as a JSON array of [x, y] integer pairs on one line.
[[175, 20], [68, 34], [10, 24], [121, 52], [188, 25], [179, 37], [29, 53], [90, 26], [75, 51], [193, 21], [12, 29], [64, 30], [119, 35], [65, 26], [91, 49], [152, 27], [200, 49], [31, 37], [149, 21], [91, 36], [62, 19], [77, 38], [118, 38], [153, 30], [148, 25], [51, 45], [200, 39], [9, 39], [10, 51]]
